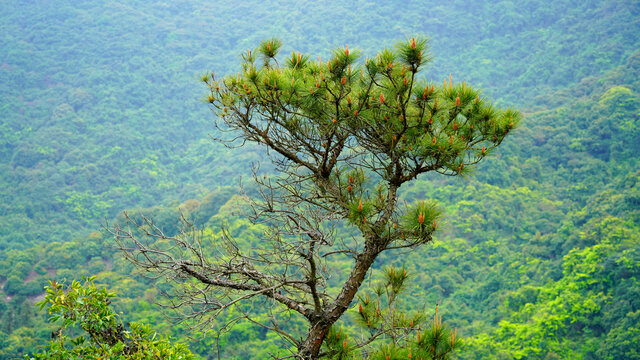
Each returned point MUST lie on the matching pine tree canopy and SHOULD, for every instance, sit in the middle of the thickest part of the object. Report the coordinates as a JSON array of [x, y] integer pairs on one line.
[[347, 133], [319, 114]]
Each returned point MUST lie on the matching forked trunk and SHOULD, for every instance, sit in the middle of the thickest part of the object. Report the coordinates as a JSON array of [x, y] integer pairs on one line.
[[310, 347]]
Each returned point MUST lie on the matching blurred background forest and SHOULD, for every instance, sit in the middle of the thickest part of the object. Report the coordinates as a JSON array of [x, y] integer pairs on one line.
[[101, 110]]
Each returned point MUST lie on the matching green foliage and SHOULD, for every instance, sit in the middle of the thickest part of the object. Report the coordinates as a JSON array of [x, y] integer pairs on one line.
[[576, 315], [389, 331], [384, 105], [128, 72], [86, 307], [12, 285], [420, 220]]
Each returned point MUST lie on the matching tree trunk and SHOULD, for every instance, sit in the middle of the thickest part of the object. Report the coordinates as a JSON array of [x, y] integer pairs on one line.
[[310, 348]]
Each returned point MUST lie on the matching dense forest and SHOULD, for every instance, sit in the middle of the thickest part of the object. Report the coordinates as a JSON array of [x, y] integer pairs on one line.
[[539, 256]]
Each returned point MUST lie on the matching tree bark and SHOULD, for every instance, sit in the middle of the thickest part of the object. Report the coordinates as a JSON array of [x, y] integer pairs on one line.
[[310, 348], [319, 327]]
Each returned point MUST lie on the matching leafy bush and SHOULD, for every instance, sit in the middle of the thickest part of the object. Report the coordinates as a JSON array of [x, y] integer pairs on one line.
[[103, 335]]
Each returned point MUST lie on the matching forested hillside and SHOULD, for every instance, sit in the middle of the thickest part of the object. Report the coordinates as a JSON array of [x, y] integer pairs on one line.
[[101, 111]]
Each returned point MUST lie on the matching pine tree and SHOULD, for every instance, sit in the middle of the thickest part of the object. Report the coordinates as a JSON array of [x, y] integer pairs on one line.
[[345, 135]]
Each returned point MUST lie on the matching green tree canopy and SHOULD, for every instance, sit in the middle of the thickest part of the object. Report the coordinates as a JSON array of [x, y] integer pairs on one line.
[[346, 135]]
